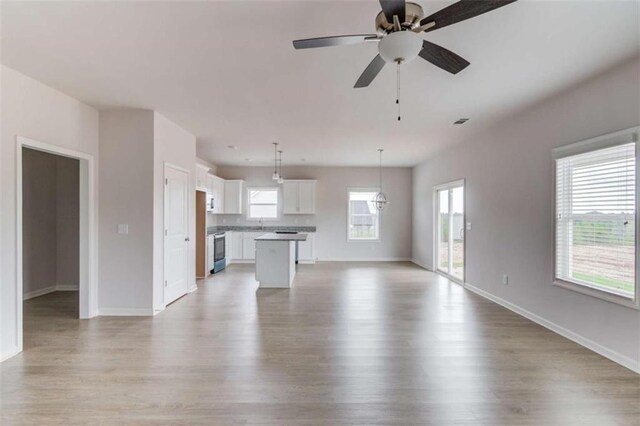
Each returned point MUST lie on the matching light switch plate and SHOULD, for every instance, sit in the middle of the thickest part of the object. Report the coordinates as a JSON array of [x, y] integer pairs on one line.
[[123, 228], [468, 226]]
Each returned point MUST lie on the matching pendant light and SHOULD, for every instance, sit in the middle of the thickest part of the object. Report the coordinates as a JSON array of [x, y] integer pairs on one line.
[[380, 199], [280, 178], [275, 175]]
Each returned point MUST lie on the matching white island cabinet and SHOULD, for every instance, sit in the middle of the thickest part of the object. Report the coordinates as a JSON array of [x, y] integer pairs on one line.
[[276, 259]]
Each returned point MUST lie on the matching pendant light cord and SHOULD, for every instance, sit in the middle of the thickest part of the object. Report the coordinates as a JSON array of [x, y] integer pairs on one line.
[[275, 158], [380, 173], [398, 88]]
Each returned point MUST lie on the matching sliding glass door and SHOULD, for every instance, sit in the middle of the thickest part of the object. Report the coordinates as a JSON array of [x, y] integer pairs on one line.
[[450, 226]]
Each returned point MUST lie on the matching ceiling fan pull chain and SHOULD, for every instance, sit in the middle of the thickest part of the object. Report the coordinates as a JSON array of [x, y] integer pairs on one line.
[[398, 89]]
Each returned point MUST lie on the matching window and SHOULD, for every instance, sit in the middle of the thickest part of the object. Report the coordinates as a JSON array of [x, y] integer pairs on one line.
[[263, 203], [596, 220], [363, 216]]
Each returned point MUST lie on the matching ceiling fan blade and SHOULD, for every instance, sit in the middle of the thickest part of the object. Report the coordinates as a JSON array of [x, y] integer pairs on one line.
[[309, 43], [462, 10], [370, 72], [393, 7], [443, 58]]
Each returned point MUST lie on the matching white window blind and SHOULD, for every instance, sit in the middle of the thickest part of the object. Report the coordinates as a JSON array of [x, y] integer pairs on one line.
[[595, 219]]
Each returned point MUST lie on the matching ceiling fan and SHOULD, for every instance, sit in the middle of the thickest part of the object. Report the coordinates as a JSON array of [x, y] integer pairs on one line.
[[398, 26]]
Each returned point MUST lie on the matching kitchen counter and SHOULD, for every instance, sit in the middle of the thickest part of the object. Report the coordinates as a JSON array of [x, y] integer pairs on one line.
[[282, 237], [249, 228]]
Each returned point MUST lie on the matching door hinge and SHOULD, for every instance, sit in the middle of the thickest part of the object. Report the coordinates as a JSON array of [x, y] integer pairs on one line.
[[166, 181], [165, 283], [165, 232]]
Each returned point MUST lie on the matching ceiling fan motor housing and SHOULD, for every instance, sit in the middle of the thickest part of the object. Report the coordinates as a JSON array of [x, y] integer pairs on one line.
[[400, 47], [413, 15]]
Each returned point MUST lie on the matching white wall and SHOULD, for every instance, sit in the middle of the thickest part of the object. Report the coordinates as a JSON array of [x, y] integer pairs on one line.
[[134, 147], [509, 200], [36, 111], [175, 146], [331, 208], [125, 265]]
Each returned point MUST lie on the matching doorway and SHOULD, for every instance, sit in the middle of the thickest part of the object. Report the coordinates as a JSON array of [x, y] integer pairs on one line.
[[450, 230], [80, 273]]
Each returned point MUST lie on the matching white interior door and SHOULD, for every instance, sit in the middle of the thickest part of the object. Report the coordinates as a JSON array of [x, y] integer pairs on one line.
[[176, 239], [450, 230]]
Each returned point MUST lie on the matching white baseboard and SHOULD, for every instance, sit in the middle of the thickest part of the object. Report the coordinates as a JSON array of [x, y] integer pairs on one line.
[[10, 353], [67, 288], [420, 264], [241, 261], [193, 288], [47, 290], [40, 292], [375, 259], [125, 312], [614, 356]]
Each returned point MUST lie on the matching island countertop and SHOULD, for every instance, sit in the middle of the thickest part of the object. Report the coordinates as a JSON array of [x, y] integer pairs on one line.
[[282, 237]]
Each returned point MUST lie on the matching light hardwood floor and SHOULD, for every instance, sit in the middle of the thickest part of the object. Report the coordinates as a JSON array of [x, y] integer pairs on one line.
[[352, 343]]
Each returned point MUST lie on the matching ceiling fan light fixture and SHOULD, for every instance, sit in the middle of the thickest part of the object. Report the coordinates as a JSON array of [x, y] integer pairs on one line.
[[400, 47]]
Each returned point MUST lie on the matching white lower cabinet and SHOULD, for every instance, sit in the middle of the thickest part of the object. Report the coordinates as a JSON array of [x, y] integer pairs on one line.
[[236, 246], [249, 245], [241, 247], [306, 252], [210, 253], [227, 246]]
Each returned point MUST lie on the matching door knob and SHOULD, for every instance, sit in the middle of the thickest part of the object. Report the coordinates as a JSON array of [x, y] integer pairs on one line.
[[187, 239]]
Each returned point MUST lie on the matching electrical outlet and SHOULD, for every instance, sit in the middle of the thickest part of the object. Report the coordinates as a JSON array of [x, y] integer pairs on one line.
[[505, 279], [224, 220], [123, 229]]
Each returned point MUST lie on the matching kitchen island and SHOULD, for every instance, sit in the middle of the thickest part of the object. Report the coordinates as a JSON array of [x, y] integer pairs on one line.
[[276, 259]]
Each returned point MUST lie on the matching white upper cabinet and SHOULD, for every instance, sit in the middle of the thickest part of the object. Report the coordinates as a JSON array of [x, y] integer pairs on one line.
[[219, 190], [215, 187], [299, 197], [210, 182], [201, 177], [290, 197], [233, 196], [307, 197]]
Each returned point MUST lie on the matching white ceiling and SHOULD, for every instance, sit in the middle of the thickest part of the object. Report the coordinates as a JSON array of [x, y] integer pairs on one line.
[[227, 72]]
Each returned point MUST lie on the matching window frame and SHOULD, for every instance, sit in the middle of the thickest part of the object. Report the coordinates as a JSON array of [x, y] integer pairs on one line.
[[378, 222], [249, 204], [589, 145]]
